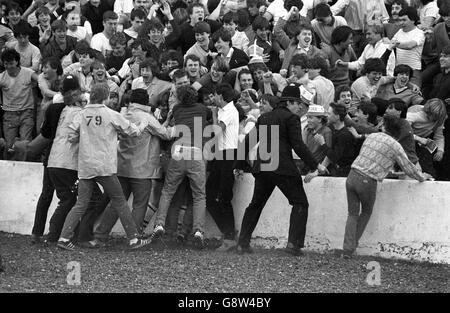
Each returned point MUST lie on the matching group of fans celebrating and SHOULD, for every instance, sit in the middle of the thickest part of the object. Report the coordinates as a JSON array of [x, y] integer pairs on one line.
[[157, 99]]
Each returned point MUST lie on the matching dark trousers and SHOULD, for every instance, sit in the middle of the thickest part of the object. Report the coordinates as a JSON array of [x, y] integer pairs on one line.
[[292, 188], [64, 182], [426, 160], [428, 75], [219, 193], [43, 204]]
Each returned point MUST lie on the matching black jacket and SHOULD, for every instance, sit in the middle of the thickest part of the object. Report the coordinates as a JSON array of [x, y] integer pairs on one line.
[[288, 137], [238, 58]]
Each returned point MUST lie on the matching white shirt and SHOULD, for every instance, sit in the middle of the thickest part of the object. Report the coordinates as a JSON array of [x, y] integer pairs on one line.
[[303, 125], [100, 43], [376, 51], [307, 5], [123, 6], [277, 10], [410, 57], [240, 40], [81, 33], [429, 10], [229, 138]]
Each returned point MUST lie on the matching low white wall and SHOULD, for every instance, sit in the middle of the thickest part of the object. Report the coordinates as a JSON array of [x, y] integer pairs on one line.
[[410, 220]]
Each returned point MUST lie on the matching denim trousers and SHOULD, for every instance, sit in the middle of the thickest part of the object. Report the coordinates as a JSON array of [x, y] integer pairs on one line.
[[140, 188], [45, 199], [64, 182], [178, 169], [18, 124], [183, 196], [112, 188], [292, 188], [361, 194]]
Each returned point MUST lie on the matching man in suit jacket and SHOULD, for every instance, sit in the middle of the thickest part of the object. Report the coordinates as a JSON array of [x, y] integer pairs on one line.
[[283, 126]]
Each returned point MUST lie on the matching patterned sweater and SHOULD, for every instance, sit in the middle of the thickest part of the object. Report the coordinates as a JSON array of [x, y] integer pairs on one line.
[[378, 155]]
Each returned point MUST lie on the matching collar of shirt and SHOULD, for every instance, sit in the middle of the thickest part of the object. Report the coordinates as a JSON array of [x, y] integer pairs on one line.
[[230, 53], [303, 50], [229, 106], [137, 106], [94, 105]]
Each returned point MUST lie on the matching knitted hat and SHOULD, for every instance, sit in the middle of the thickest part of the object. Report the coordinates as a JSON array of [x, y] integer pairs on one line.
[[316, 110], [139, 96], [291, 92], [70, 82]]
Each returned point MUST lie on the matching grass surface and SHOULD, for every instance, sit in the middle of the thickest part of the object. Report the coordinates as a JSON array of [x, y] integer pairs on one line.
[[160, 268]]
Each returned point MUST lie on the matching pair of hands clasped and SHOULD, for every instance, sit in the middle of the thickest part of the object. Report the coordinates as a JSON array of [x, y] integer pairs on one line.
[[321, 170]]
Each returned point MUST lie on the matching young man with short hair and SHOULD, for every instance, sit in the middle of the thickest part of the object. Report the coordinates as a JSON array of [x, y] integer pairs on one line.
[[187, 161], [238, 38], [409, 42], [30, 55], [60, 44], [192, 67], [219, 186], [138, 162], [377, 157], [342, 153], [137, 18], [340, 50], [325, 23], [96, 128], [100, 41], [201, 49], [196, 12], [18, 102]]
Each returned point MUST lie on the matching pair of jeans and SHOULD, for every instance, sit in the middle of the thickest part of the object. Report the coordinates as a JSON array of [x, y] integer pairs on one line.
[[112, 188], [361, 194], [292, 188], [219, 194], [178, 169], [64, 182], [183, 196], [43, 204], [140, 187], [18, 124]]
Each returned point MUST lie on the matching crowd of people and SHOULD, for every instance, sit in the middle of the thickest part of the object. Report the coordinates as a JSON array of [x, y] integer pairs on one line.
[[170, 100]]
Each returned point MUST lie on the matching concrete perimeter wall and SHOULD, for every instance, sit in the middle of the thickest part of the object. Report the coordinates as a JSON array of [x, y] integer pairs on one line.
[[410, 220]]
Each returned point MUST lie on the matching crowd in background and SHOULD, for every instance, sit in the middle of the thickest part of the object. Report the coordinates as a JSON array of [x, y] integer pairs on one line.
[[347, 64]]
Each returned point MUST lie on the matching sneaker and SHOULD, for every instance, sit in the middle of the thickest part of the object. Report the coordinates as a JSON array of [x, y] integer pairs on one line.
[[244, 250], [93, 244], [35, 239], [157, 232], [199, 241], [139, 243], [66, 245], [227, 245]]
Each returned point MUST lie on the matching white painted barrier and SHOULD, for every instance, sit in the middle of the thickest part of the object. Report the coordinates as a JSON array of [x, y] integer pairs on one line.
[[410, 220]]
